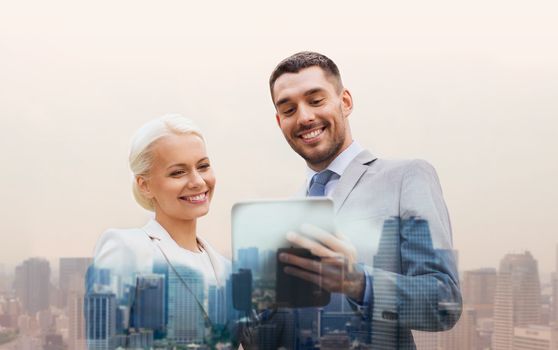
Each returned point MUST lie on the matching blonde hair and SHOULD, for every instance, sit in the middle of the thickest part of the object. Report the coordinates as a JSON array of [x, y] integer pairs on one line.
[[141, 155]]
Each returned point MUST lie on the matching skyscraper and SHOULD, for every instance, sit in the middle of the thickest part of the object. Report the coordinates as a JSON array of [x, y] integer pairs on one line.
[[248, 258], [185, 306], [463, 336], [517, 298], [73, 289], [76, 321], [216, 304], [72, 273], [100, 316], [242, 290], [32, 284], [149, 308], [478, 290], [233, 315], [268, 264]]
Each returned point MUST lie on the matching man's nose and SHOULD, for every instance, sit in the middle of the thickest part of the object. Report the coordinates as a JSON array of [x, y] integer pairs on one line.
[[305, 115]]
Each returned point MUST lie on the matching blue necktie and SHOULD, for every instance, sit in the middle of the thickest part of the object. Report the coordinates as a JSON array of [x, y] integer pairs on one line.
[[318, 183]]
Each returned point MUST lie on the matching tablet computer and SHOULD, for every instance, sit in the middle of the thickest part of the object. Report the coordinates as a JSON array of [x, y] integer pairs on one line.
[[259, 231]]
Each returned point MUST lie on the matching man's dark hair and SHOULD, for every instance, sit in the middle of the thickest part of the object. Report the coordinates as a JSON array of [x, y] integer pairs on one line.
[[305, 59]]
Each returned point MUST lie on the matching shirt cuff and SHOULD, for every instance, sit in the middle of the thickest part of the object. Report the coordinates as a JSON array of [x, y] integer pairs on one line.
[[364, 307]]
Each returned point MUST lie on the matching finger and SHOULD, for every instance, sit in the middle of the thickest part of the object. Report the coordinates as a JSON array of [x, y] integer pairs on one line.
[[334, 273], [340, 262], [308, 264], [314, 247], [335, 242], [350, 287], [329, 284], [305, 275]]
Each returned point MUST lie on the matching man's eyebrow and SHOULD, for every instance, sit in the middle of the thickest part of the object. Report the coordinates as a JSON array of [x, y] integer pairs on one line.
[[313, 91], [307, 93], [282, 101]]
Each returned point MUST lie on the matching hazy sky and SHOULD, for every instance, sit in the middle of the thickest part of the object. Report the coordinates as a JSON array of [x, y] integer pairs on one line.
[[470, 87]]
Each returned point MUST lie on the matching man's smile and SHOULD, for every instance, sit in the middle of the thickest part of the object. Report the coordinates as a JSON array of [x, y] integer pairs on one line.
[[313, 135]]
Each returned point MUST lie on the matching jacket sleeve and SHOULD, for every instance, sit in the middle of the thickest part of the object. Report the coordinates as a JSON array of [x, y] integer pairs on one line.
[[425, 295]]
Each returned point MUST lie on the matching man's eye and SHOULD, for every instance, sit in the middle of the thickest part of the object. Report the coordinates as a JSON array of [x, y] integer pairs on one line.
[[288, 111], [204, 166], [317, 101]]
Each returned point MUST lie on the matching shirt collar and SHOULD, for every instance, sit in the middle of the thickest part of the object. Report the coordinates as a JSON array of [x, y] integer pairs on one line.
[[340, 163]]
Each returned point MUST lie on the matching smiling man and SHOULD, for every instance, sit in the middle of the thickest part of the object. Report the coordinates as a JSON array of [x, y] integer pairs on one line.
[[312, 110], [392, 257]]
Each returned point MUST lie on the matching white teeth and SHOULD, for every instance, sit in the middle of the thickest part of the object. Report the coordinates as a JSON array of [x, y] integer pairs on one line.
[[198, 197], [312, 134]]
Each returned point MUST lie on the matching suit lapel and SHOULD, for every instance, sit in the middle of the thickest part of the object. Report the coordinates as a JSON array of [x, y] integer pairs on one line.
[[350, 177]]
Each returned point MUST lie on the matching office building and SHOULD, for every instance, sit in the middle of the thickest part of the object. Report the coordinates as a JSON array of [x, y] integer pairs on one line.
[[76, 320], [517, 298], [72, 276], [248, 258], [463, 336], [478, 290], [535, 337], [32, 285], [100, 317], [149, 308], [142, 339], [186, 321], [216, 304]]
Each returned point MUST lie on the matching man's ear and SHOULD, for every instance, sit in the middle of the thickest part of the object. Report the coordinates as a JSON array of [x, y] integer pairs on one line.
[[347, 103], [143, 186]]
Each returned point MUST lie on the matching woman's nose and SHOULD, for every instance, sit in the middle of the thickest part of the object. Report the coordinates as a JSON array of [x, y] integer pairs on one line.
[[196, 180]]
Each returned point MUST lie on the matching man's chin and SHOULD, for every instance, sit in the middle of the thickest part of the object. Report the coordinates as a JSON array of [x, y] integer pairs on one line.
[[317, 159]]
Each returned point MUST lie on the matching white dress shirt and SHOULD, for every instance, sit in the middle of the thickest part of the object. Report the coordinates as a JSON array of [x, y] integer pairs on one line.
[[338, 166]]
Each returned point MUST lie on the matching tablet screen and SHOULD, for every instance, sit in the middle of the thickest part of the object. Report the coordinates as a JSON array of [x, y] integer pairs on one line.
[[259, 229]]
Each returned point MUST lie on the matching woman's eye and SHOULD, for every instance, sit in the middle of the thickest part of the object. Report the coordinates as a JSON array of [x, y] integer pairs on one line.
[[177, 173]]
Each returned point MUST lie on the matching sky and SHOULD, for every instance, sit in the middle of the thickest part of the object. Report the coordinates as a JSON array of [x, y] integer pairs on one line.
[[471, 87]]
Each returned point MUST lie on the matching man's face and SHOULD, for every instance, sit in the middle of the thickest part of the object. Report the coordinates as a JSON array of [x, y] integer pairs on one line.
[[312, 112]]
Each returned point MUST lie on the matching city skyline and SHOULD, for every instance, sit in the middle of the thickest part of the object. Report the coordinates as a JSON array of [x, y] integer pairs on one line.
[[8, 271], [506, 303]]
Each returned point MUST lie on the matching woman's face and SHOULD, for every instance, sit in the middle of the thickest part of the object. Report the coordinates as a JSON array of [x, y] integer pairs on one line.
[[181, 180]]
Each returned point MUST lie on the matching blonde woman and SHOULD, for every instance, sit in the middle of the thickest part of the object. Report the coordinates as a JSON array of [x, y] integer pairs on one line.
[[174, 179]]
